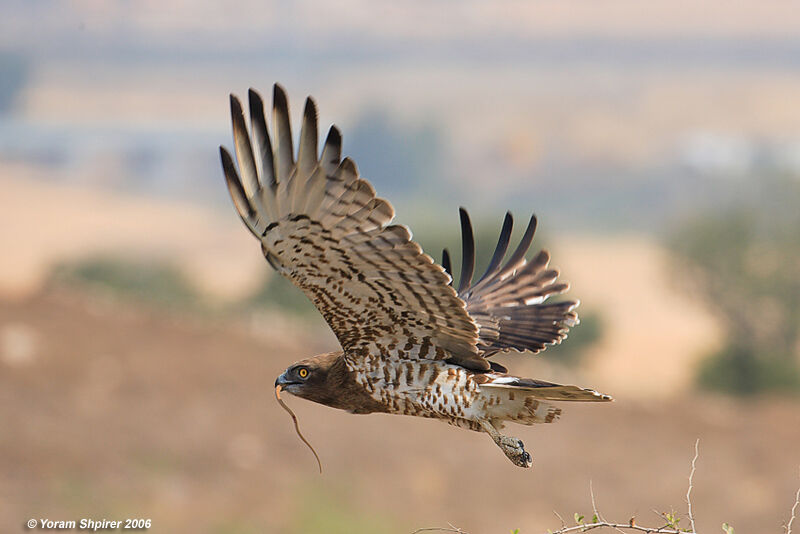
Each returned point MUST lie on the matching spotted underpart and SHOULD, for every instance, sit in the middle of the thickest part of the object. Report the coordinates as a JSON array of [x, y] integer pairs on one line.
[[451, 393], [412, 343], [420, 388]]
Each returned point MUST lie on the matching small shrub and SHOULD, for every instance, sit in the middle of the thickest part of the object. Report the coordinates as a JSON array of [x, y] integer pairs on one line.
[[153, 282]]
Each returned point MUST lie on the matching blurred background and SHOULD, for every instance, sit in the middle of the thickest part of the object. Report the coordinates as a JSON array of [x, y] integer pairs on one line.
[[141, 330]]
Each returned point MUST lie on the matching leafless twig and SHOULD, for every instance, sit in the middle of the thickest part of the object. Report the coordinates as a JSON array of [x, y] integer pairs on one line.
[[594, 504], [622, 527], [599, 522], [671, 526], [691, 483], [794, 512], [597, 513], [563, 524], [448, 528]]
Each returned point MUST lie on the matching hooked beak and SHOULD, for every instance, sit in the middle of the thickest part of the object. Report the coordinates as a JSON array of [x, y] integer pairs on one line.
[[283, 381]]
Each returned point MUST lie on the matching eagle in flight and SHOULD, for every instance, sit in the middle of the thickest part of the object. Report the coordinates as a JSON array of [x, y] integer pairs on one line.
[[412, 343]]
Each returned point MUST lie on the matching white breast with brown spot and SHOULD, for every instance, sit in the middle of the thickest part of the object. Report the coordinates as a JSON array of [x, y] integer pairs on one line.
[[425, 388]]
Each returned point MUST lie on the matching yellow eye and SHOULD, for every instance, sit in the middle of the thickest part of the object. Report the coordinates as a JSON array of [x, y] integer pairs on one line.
[[302, 372]]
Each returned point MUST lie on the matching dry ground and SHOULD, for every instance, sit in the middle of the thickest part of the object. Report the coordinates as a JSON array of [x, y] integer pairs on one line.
[[108, 410]]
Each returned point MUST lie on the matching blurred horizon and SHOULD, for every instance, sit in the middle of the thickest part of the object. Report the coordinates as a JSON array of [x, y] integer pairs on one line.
[[658, 144], [625, 125]]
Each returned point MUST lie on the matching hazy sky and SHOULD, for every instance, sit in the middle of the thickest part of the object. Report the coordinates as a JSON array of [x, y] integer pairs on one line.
[[587, 106]]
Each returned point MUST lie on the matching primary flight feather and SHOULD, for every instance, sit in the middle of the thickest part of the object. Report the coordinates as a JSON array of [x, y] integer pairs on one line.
[[412, 344]]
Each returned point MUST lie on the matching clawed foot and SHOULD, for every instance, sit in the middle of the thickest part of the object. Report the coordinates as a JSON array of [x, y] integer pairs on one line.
[[514, 449]]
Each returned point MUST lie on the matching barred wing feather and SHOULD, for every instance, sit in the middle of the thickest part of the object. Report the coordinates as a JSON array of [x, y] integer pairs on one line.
[[508, 301], [322, 227]]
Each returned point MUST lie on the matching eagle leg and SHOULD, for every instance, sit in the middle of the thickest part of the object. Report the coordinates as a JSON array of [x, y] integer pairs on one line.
[[512, 447]]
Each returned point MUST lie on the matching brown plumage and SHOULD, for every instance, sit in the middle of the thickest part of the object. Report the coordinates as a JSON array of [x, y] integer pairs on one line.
[[412, 344]]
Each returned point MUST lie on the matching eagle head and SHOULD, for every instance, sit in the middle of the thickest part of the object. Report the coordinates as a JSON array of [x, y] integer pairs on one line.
[[314, 378], [325, 379]]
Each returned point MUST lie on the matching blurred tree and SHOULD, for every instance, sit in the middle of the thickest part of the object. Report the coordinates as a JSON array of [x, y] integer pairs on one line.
[[13, 77], [279, 293], [153, 281], [394, 157], [745, 263], [571, 351]]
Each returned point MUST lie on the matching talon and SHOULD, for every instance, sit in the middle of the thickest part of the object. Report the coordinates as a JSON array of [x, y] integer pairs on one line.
[[512, 447], [524, 460]]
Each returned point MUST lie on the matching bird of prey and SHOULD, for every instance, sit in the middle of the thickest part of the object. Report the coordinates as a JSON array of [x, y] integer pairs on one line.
[[412, 343]]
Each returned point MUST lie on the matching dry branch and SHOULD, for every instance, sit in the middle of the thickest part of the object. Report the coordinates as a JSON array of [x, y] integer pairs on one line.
[[598, 521], [794, 512], [622, 527], [691, 484]]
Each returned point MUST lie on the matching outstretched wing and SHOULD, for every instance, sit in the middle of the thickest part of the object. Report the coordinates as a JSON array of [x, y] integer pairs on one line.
[[321, 226], [508, 301]]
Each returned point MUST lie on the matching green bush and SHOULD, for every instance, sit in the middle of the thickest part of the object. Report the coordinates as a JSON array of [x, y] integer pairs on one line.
[[572, 350], [735, 369], [14, 75], [277, 292], [154, 282], [744, 262]]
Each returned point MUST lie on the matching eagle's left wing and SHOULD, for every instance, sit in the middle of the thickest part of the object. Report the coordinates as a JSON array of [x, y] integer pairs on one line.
[[509, 301], [322, 227]]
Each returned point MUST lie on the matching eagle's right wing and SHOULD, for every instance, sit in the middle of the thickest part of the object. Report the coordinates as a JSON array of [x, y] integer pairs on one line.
[[321, 226], [508, 301]]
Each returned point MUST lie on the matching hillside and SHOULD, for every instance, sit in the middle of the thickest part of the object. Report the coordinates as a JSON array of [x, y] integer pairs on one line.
[[110, 410]]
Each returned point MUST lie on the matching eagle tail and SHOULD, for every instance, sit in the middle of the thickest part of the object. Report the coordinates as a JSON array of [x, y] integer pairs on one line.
[[525, 400]]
